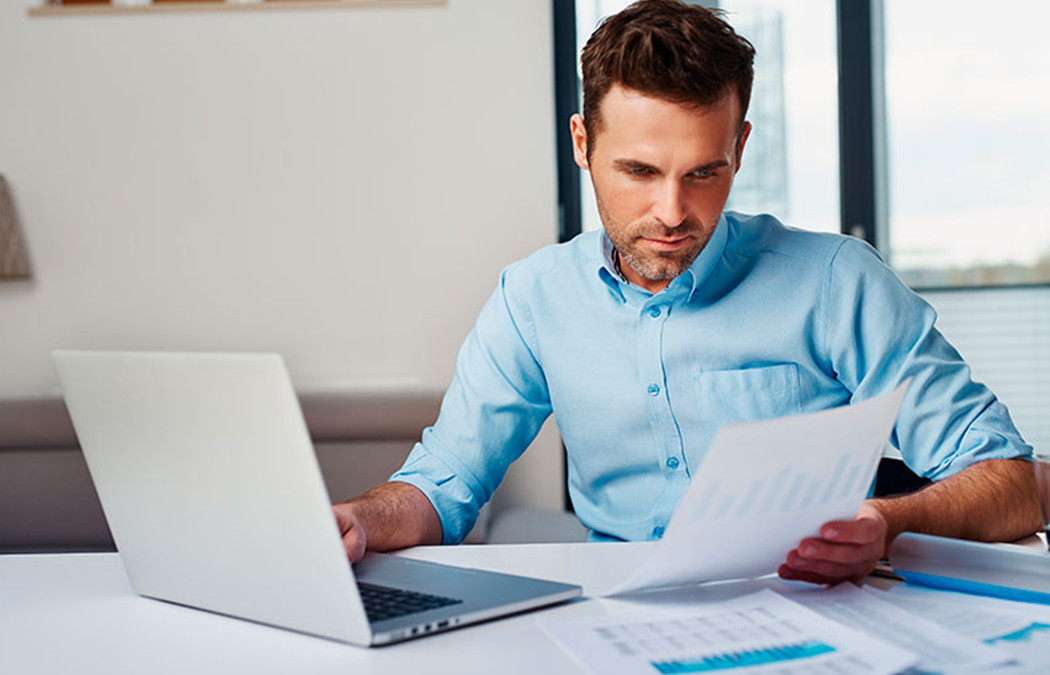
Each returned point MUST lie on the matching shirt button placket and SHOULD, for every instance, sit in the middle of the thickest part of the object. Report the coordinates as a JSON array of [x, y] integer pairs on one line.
[[651, 321]]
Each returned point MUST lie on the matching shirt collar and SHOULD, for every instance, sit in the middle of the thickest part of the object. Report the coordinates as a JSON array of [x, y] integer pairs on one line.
[[607, 267], [695, 275]]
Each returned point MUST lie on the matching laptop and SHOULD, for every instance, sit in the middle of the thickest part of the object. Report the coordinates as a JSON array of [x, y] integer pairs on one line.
[[209, 483]]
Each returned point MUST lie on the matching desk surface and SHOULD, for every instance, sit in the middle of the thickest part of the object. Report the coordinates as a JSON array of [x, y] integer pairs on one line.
[[77, 613]]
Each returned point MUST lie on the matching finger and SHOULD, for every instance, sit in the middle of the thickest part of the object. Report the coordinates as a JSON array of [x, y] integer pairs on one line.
[[859, 531], [354, 545], [341, 519], [827, 572], [790, 573], [826, 566], [827, 576], [844, 554]]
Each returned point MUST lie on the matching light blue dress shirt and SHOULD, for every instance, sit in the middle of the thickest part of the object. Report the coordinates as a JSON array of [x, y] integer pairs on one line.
[[768, 321]]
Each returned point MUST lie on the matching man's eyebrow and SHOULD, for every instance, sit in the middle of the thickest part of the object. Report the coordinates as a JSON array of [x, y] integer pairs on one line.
[[638, 164], [633, 164], [710, 166]]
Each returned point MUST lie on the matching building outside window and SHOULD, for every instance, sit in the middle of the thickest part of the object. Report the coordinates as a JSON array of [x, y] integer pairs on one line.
[[968, 121]]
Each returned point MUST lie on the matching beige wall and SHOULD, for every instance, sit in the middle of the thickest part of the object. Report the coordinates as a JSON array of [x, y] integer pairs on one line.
[[341, 186]]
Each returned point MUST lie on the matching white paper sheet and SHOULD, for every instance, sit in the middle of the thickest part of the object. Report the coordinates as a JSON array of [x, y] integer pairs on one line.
[[763, 487], [965, 615], [1018, 629], [940, 650], [760, 632]]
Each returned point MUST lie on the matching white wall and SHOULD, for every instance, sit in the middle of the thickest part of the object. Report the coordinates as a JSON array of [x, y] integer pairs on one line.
[[342, 186], [339, 185]]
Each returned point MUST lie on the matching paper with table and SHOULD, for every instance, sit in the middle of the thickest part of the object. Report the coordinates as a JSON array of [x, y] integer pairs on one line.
[[760, 632], [930, 632], [940, 650], [764, 486], [1018, 629]]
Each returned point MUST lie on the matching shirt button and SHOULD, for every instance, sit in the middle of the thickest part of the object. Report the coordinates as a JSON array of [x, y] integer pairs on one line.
[[658, 531], [672, 462], [653, 390], [654, 312]]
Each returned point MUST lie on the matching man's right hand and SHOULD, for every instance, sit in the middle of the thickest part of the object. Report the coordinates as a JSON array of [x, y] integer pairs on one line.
[[355, 541], [389, 516]]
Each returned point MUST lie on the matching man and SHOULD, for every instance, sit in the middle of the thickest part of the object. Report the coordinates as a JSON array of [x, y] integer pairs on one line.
[[644, 338]]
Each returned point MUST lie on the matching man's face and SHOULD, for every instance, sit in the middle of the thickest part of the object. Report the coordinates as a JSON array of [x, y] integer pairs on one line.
[[661, 173]]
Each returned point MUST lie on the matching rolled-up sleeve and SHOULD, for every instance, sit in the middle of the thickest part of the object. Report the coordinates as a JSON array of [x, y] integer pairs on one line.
[[879, 334], [493, 409]]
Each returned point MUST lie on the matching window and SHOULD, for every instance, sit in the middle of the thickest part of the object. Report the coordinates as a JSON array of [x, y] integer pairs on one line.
[[968, 136], [588, 14], [790, 166]]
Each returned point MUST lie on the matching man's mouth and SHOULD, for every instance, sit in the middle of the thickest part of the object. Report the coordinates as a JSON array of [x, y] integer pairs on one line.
[[666, 244]]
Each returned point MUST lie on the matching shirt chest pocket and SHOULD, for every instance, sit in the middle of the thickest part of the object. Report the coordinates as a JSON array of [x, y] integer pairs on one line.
[[748, 394]]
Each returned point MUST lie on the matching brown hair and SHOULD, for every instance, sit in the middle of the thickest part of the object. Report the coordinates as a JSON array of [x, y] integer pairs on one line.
[[667, 49]]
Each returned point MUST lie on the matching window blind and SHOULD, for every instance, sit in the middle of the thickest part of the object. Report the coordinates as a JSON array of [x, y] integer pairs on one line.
[[1004, 334]]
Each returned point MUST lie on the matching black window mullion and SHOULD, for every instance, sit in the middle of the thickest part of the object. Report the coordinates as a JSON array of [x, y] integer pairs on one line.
[[862, 153], [566, 101]]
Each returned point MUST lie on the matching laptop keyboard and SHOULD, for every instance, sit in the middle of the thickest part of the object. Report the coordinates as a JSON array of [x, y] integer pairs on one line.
[[382, 603]]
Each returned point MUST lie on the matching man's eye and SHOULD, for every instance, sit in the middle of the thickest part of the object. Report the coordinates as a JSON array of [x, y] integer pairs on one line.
[[703, 175], [639, 171]]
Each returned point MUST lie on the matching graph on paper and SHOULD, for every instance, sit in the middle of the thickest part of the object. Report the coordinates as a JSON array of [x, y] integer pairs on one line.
[[753, 633], [790, 488]]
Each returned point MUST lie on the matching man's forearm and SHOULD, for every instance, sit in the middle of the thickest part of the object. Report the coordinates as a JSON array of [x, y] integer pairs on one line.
[[392, 516], [994, 500]]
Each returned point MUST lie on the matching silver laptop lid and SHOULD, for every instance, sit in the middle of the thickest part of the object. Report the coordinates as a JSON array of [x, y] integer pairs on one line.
[[193, 456]]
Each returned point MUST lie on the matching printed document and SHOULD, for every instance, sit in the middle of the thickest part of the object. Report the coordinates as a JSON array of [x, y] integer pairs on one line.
[[758, 633], [1018, 629], [940, 650], [763, 487]]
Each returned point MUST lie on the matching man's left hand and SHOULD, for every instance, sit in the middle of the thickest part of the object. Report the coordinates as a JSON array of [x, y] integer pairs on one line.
[[845, 550]]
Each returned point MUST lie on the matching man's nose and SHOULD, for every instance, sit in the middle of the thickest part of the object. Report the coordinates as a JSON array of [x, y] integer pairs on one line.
[[670, 208]]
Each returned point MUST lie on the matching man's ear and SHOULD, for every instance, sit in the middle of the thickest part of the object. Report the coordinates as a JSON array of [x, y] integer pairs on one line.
[[745, 131], [579, 141]]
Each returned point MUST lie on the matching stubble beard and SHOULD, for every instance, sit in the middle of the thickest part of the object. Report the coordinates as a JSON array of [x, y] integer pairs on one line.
[[660, 265], [656, 265]]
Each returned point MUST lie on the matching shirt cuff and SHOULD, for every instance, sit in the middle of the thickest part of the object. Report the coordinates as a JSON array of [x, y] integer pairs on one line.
[[450, 496]]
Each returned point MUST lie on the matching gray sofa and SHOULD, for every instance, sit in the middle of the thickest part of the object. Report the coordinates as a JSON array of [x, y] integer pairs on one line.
[[48, 503]]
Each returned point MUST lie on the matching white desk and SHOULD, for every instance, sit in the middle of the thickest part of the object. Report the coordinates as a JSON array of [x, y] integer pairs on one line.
[[76, 613]]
